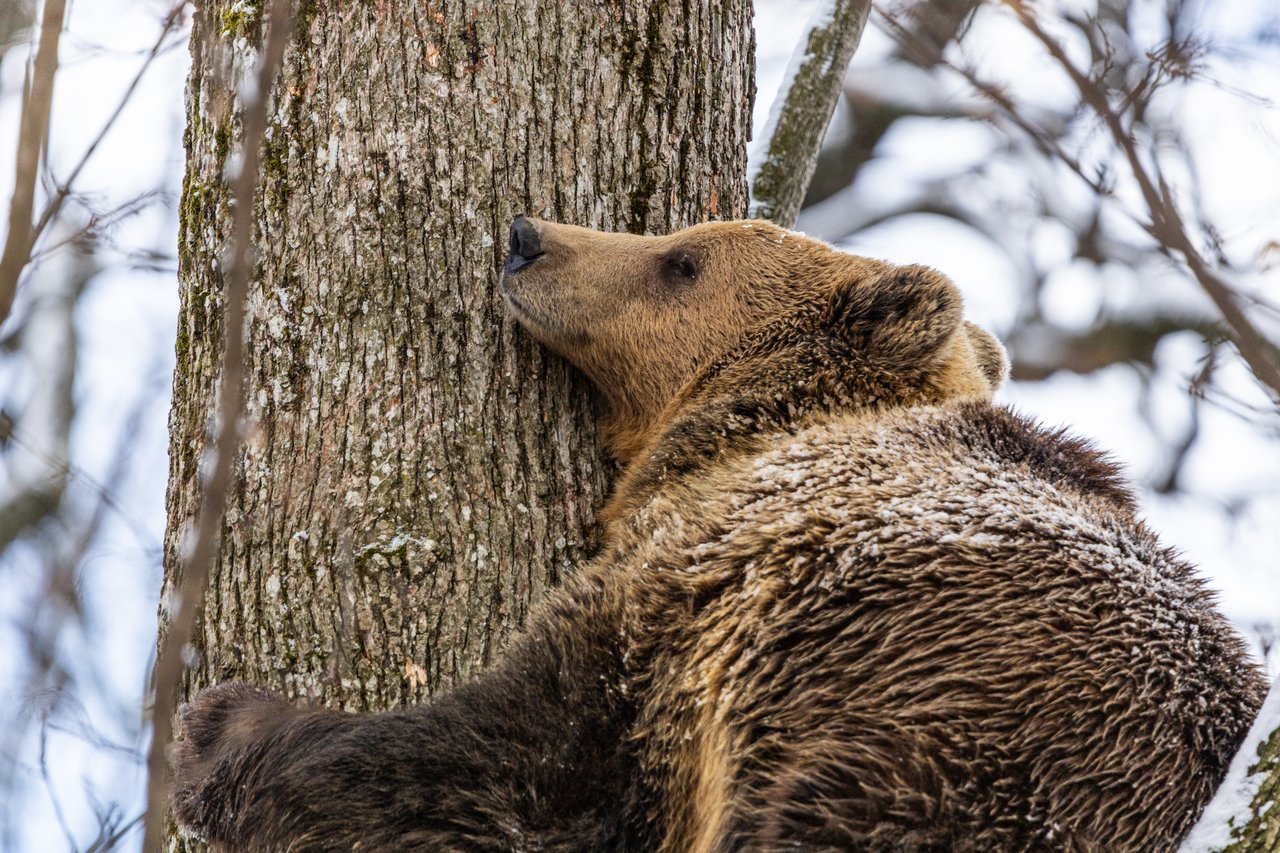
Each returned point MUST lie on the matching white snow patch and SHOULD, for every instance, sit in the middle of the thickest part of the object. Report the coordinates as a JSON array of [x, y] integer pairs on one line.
[[1214, 829]]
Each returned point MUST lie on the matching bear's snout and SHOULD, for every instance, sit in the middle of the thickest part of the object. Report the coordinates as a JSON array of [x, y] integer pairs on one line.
[[525, 244]]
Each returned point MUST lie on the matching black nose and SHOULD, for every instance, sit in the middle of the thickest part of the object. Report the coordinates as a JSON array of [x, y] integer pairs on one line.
[[525, 241]]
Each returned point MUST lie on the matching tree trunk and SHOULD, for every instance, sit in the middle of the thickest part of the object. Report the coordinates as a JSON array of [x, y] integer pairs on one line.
[[416, 473]]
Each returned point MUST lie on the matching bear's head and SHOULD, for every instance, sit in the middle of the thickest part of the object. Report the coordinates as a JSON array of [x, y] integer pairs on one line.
[[652, 319]]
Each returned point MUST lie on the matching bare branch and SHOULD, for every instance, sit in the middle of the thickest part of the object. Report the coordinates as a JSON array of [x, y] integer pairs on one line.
[[787, 152], [38, 467], [31, 136], [64, 188], [899, 86], [170, 663], [43, 759], [1014, 113], [1166, 224], [112, 830], [1038, 350], [101, 222]]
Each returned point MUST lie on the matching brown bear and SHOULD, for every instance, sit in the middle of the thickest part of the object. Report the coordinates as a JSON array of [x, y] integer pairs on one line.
[[845, 603]]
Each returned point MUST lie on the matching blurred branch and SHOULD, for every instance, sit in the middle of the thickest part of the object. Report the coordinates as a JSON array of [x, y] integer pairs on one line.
[[788, 149], [38, 466], [1047, 142], [1136, 76], [14, 16], [170, 663], [101, 221], [1038, 349], [31, 137], [112, 829], [56, 605], [1166, 225], [899, 87], [1180, 449], [48, 783], [936, 24], [64, 188]]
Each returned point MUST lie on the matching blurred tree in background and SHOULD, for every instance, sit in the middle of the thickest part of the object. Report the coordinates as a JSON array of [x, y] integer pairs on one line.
[[1049, 129]]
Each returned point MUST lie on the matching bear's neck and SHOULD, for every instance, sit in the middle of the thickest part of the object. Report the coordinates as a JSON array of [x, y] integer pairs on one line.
[[753, 394], [627, 431]]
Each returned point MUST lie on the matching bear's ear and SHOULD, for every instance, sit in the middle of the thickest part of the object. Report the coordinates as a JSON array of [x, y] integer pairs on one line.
[[902, 317], [989, 353]]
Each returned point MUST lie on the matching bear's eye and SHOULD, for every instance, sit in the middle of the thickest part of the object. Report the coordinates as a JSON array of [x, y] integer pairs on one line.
[[681, 265]]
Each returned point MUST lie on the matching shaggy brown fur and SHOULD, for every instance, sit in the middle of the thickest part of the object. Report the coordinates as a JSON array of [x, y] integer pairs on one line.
[[846, 603]]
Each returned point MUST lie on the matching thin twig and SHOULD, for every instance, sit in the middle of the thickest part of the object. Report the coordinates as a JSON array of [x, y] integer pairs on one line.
[[109, 837], [170, 663], [99, 221], [1166, 224], [64, 188], [106, 493], [43, 759], [31, 135], [1012, 112]]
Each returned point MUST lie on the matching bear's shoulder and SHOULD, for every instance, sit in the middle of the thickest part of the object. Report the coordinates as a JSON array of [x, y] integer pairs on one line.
[[1013, 441]]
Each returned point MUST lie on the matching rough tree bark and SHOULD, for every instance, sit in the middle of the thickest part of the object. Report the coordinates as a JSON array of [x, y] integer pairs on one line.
[[416, 472]]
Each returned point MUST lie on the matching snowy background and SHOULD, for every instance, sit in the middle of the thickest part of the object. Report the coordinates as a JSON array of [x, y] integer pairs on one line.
[[77, 732], [1225, 517]]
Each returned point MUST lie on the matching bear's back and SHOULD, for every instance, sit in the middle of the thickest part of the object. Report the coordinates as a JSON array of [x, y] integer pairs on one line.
[[941, 628]]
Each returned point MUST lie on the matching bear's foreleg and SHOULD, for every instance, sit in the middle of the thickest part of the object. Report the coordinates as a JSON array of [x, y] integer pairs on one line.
[[532, 755]]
